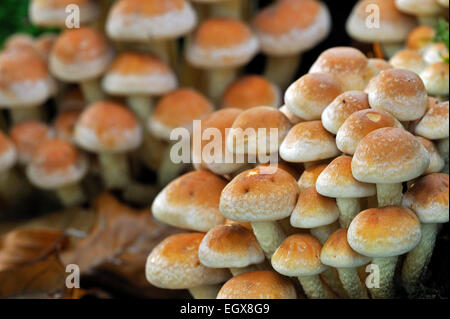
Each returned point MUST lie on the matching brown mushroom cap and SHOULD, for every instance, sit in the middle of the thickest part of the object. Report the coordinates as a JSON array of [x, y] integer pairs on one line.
[[80, 54], [348, 65], [336, 252], [435, 123], [8, 153], [409, 60], [389, 155], [361, 123], [307, 142], [376, 66], [52, 13], [108, 127], [384, 232], [420, 37], [258, 285], [222, 42], [65, 122], [311, 94], [141, 21], [310, 175], [314, 210], [291, 26], [342, 107], [337, 181], [226, 246], [428, 198], [254, 196], [139, 74], [299, 255], [436, 161], [191, 201], [251, 91], [399, 92], [174, 264]]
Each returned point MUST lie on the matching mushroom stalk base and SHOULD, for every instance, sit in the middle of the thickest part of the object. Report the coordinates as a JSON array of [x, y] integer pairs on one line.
[[218, 80], [349, 208], [71, 195], [324, 232], [115, 170], [151, 151], [389, 194], [389, 49], [314, 288], [386, 267], [142, 106], [227, 9], [168, 170], [281, 70], [417, 260], [235, 271], [205, 292], [22, 114], [270, 235], [352, 283], [331, 278], [92, 91], [166, 50], [443, 149]]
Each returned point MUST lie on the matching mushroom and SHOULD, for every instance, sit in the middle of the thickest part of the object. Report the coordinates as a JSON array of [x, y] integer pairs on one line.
[[156, 24], [139, 77], [391, 30], [436, 161], [435, 52], [436, 79], [64, 124], [44, 45], [427, 11], [263, 284], [299, 256], [389, 156], [310, 175], [51, 13], [308, 142], [443, 146], [409, 60], [82, 56], [428, 198], [191, 202], [443, 3], [221, 161], [344, 105], [57, 165], [337, 181], [420, 37], [110, 130], [231, 246], [221, 46], [359, 124], [251, 91], [336, 252], [262, 199], [375, 66], [294, 119], [24, 89], [384, 234], [348, 65], [286, 29], [174, 264], [311, 94], [176, 109]]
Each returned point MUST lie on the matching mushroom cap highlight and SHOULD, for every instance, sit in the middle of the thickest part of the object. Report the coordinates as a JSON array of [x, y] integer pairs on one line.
[[435, 123]]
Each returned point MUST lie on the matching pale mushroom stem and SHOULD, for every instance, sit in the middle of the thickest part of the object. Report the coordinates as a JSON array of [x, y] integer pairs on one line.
[[322, 233], [443, 149], [389, 194], [142, 106], [270, 235], [218, 80], [235, 271], [386, 269], [151, 151], [71, 195], [389, 49], [166, 50], [331, 278], [22, 114], [115, 170], [314, 288], [168, 170], [92, 91], [352, 283], [349, 208], [12, 186], [205, 292], [228, 9], [417, 260], [202, 11], [282, 69]]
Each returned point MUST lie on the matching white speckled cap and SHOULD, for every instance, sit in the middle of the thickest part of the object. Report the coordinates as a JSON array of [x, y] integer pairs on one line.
[[435, 123]]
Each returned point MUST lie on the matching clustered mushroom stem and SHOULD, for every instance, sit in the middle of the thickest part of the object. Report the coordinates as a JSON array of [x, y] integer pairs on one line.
[[166, 50], [168, 169], [389, 194], [205, 292], [417, 260], [389, 49], [349, 208], [384, 289], [71, 195], [443, 148], [322, 233], [22, 114], [235, 271], [12, 186], [115, 170], [142, 106], [352, 283], [218, 80], [331, 278], [228, 9], [151, 151], [270, 235], [282, 69], [92, 91], [314, 288]]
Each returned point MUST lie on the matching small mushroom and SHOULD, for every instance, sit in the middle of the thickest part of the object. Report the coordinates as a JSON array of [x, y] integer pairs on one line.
[[409, 60], [50, 13]]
